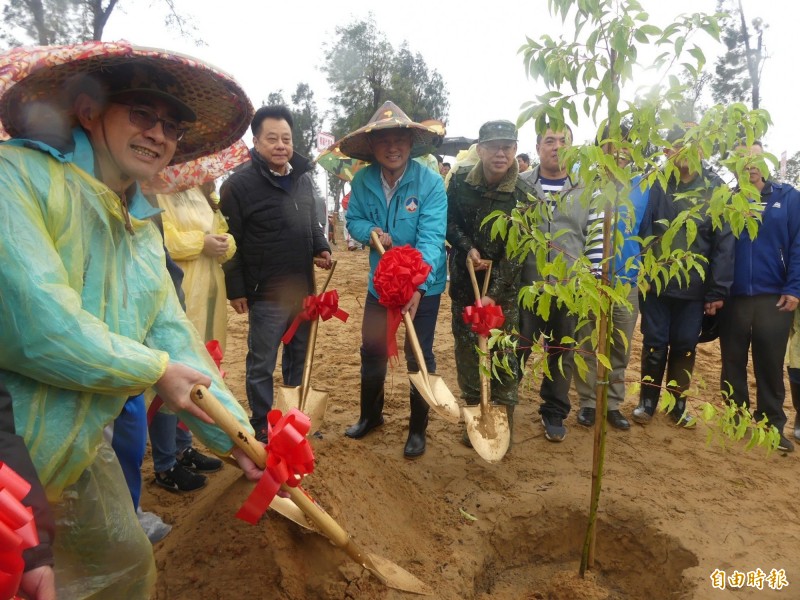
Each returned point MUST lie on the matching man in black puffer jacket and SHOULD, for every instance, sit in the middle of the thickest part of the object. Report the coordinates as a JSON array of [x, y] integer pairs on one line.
[[271, 210]]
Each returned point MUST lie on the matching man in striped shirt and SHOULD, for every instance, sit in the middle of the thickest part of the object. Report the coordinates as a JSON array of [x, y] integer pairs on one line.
[[562, 213]]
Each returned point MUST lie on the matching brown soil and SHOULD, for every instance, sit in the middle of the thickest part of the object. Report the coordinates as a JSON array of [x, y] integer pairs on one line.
[[673, 508]]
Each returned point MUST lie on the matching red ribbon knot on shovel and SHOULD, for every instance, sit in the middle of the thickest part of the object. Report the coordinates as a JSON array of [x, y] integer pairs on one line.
[[289, 459], [399, 273], [323, 306], [17, 529], [482, 319]]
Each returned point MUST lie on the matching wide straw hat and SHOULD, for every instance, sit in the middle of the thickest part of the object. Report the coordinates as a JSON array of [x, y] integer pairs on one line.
[[38, 84], [427, 135]]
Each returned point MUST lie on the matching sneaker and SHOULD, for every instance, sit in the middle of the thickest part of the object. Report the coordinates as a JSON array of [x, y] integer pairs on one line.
[[193, 460], [180, 479], [154, 527], [618, 421], [785, 445], [554, 430], [586, 416]]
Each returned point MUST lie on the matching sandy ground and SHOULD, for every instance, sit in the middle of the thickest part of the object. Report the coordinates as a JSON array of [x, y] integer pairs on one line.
[[673, 510]]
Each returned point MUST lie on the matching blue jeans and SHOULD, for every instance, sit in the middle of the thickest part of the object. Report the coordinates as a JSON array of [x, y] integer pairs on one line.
[[127, 435], [374, 353], [269, 320], [167, 440]]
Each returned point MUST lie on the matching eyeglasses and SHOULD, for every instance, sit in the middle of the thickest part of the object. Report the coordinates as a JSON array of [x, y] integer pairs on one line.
[[146, 118], [494, 147]]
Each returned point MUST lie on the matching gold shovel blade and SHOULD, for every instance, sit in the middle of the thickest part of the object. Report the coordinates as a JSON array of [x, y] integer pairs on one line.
[[315, 405], [488, 431], [288, 397], [436, 393], [286, 508]]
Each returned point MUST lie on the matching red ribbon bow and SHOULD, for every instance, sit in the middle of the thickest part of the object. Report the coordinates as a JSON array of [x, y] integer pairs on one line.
[[289, 459], [215, 350], [399, 273], [324, 306], [482, 319], [17, 529]]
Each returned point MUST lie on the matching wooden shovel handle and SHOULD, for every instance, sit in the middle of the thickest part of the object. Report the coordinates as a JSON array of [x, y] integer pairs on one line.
[[312, 339], [258, 454], [471, 269]]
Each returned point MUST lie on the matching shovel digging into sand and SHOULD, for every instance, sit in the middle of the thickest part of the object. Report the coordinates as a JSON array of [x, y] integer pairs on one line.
[[487, 425], [386, 571], [432, 387], [308, 400]]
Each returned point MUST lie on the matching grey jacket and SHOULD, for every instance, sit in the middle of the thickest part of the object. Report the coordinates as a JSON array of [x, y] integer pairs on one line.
[[572, 217]]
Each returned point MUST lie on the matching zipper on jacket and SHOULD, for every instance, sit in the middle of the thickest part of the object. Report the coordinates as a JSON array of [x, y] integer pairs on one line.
[[396, 203], [780, 251]]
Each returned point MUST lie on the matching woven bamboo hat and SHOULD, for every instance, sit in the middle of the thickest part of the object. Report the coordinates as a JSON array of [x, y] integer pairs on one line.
[[38, 85], [427, 135]]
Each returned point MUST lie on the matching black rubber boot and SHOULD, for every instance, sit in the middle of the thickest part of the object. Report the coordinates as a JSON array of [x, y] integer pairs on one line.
[[417, 425], [654, 361], [794, 389], [679, 369], [371, 409]]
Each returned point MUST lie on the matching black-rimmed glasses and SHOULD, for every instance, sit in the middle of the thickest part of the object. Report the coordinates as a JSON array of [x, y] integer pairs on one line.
[[146, 118]]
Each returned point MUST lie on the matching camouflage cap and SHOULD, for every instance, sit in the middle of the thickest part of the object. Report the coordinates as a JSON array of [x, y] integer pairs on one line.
[[497, 130]]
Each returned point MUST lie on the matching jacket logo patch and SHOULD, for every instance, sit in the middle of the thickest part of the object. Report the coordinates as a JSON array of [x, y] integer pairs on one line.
[[776, 205], [412, 204]]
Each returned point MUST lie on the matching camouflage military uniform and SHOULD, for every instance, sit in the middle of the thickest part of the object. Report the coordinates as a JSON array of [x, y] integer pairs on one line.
[[469, 202]]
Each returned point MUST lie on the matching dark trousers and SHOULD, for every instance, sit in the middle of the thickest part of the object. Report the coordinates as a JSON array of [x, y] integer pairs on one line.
[[269, 320], [374, 352], [756, 321], [555, 389], [670, 322]]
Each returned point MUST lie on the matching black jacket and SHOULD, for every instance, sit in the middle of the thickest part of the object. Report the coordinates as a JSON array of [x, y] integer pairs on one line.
[[717, 245], [14, 453], [277, 234]]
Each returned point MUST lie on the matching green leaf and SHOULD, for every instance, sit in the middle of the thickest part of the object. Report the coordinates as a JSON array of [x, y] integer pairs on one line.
[[466, 515]]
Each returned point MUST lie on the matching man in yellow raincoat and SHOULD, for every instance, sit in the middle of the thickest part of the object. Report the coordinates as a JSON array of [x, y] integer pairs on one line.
[[88, 314]]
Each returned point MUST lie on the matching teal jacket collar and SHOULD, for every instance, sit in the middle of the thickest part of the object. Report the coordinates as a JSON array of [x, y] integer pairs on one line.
[[82, 156]]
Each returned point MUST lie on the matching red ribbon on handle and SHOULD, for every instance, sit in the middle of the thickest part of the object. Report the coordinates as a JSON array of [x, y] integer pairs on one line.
[[324, 306], [399, 273], [17, 529], [215, 350], [289, 459], [482, 319]]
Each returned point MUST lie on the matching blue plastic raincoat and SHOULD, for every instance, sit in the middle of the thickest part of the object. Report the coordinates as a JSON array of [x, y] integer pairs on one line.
[[88, 314]]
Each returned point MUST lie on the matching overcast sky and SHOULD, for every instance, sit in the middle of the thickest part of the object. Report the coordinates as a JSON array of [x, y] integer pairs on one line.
[[269, 46]]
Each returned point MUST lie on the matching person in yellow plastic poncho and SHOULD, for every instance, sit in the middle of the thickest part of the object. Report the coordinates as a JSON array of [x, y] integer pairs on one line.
[[195, 234], [197, 238], [88, 314]]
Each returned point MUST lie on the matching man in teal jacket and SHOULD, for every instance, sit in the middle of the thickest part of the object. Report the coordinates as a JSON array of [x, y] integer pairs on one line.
[[88, 315], [403, 202]]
